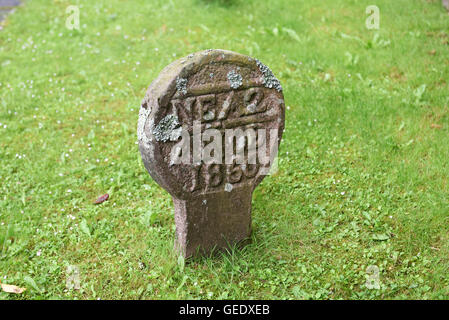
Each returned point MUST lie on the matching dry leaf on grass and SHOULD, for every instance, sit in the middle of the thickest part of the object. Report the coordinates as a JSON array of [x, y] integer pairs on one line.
[[102, 199], [435, 126], [9, 288]]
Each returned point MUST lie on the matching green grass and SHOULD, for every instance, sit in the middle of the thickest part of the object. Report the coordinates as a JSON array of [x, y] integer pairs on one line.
[[363, 176]]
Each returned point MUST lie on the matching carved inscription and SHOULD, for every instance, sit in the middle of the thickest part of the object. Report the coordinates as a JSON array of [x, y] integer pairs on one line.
[[240, 110]]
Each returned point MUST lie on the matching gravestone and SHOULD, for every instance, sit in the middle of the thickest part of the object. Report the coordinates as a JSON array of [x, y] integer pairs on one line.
[[209, 129]]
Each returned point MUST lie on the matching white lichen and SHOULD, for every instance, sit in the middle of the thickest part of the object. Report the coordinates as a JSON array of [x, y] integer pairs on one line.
[[269, 80], [251, 107], [209, 115], [235, 79], [168, 129], [143, 116], [228, 187], [181, 85]]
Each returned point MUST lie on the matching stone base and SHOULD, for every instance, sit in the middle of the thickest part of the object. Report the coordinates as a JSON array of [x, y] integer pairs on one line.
[[212, 222]]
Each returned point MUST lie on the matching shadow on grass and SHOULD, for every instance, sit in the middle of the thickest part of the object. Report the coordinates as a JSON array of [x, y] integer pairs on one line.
[[252, 250]]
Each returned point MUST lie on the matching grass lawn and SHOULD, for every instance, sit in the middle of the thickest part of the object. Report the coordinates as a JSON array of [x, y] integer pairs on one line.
[[363, 166]]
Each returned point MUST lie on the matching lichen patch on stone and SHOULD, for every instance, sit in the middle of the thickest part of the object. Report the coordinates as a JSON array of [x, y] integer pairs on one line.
[[209, 115], [251, 107], [228, 187], [181, 85], [269, 80], [143, 116], [235, 79], [168, 129]]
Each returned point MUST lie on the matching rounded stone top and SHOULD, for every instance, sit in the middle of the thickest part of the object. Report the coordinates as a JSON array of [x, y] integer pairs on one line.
[[199, 106]]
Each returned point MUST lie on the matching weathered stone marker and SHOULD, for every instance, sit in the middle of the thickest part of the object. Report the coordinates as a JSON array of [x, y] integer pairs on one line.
[[209, 128]]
